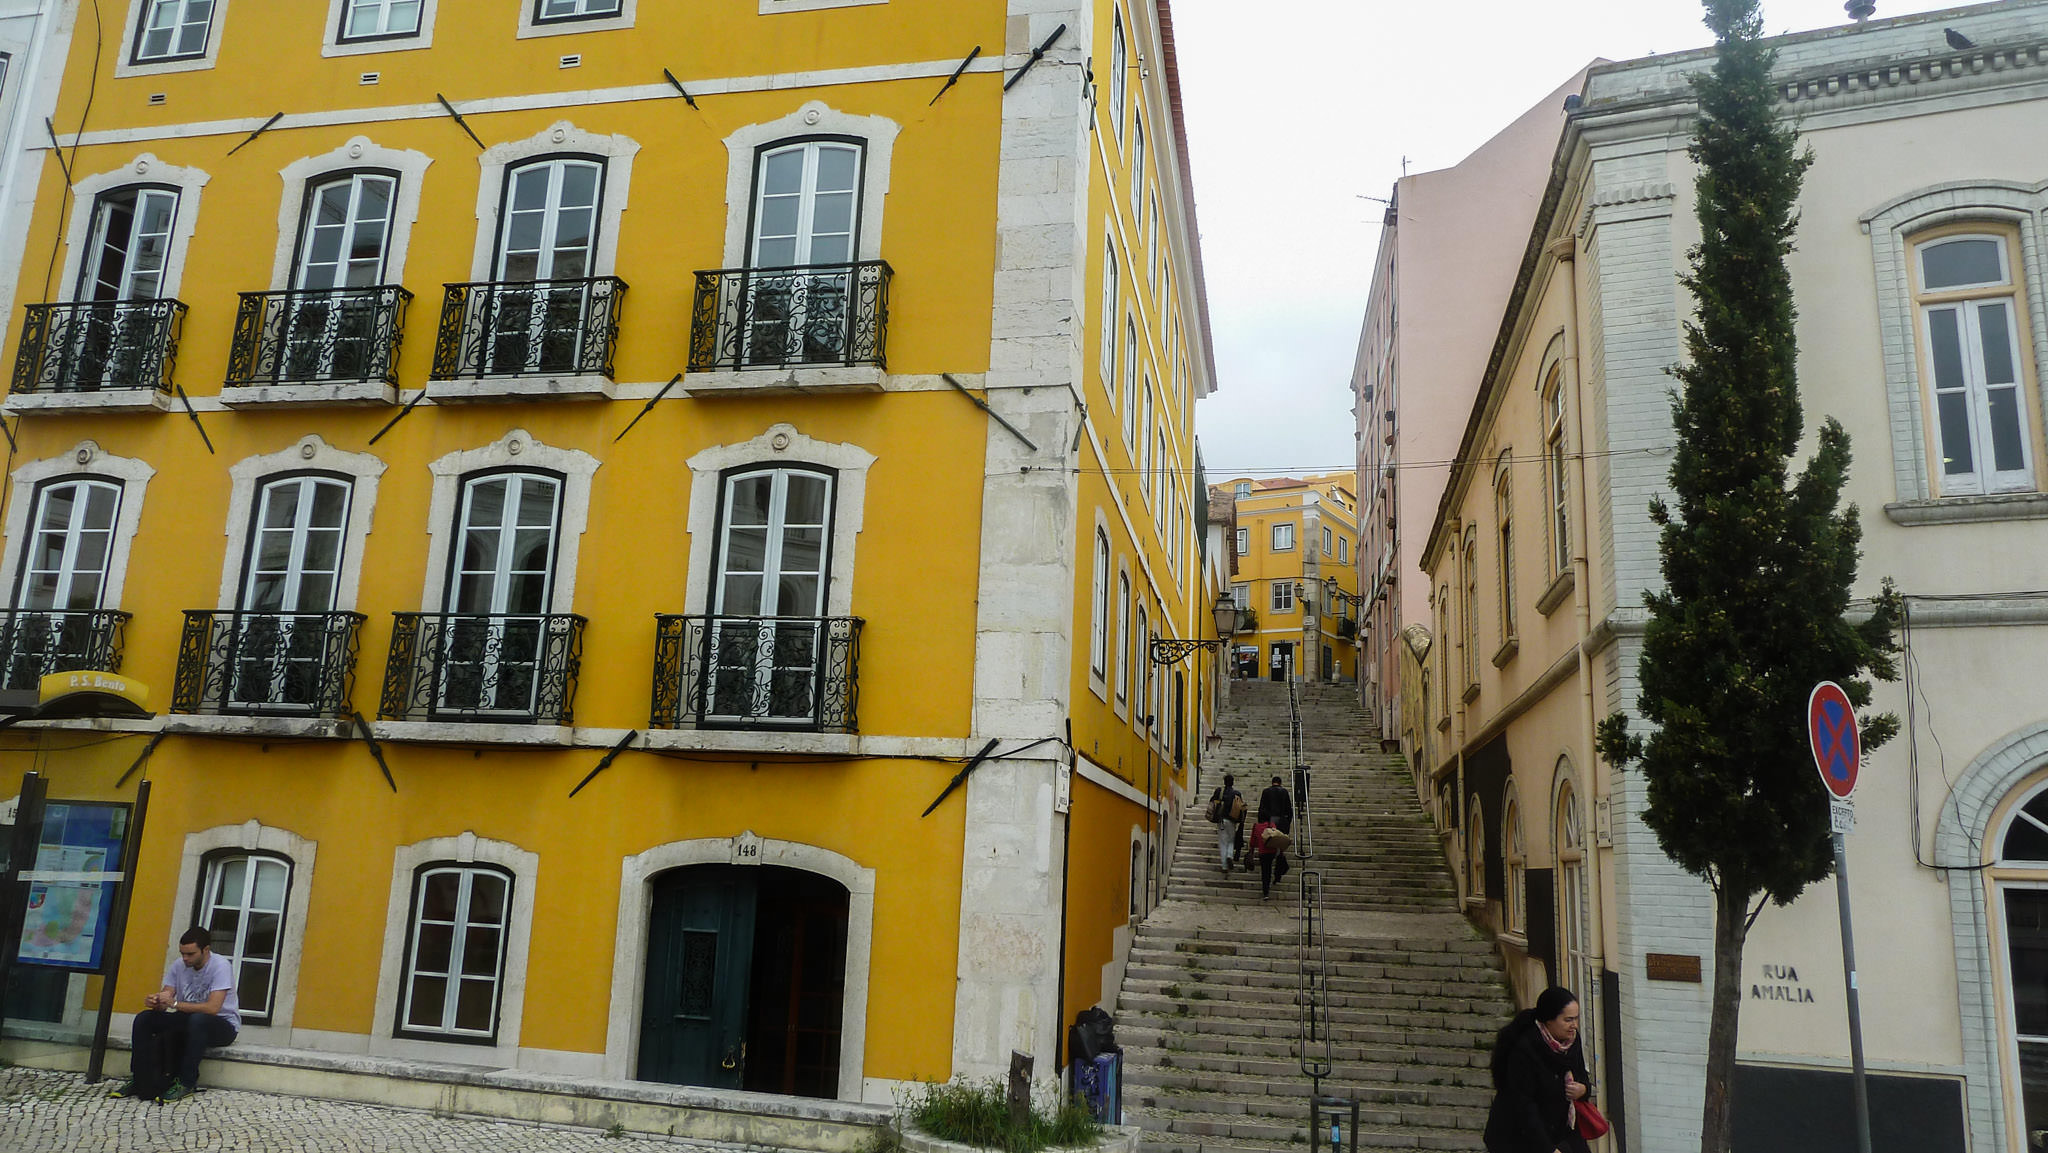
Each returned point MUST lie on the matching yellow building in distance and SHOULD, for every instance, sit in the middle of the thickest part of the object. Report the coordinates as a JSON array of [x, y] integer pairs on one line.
[[1297, 575], [582, 477]]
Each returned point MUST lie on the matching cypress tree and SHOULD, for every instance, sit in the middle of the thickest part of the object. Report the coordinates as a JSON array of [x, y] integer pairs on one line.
[[1758, 566]]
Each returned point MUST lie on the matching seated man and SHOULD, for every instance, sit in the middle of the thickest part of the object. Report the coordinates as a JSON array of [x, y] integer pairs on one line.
[[195, 1010]]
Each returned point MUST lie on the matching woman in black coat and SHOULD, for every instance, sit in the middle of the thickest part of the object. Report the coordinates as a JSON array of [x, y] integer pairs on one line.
[[1539, 1069]]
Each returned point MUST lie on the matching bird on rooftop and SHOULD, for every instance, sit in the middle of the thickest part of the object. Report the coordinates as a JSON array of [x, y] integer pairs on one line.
[[1957, 40]]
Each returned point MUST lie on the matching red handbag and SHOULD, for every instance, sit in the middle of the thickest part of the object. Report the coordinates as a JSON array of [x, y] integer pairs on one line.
[[1592, 1124]]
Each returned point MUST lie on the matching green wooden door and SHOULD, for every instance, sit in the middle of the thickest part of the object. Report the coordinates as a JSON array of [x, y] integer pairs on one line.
[[700, 947]]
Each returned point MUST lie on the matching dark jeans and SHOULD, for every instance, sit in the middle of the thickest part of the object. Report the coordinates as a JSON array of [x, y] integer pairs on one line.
[[166, 1041], [1270, 872]]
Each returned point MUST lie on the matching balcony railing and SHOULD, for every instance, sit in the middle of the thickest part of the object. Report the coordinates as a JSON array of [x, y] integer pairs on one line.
[[529, 328], [289, 664], [37, 642], [757, 673], [505, 668], [334, 335], [820, 314], [98, 345]]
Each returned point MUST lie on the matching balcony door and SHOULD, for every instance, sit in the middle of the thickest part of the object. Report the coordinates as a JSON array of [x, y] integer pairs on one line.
[[279, 639], [125, 258], [491, 646], [807, 222], [547, 234], [343, 242], [64, 576], [767, 635]]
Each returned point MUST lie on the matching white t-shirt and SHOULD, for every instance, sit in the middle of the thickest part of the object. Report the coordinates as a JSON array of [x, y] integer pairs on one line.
[[197, 985]]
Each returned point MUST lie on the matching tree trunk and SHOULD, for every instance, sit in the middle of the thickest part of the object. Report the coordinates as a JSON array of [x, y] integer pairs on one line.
[[1731, 928]]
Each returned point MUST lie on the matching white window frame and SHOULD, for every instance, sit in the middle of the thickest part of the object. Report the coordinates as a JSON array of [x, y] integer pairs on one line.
[[1968, 302], [465, 849], [314, 455], [1282, 536], [459, 926], [358, 180], [1127, 383], [1123, 639], [333, 44], [1098, 630], [1106, 369], [1119, 64], [1244, 542], [1241, 595], [1557, 484], [255, 837], [68, 568], [1281, 596], [1470, 612], [519, 451], [562, 138], [300, 532], [517, 481], [1514, 910], [1141, 692], [1136, 175], [127, 61], [1326, 539], [85, 287], [235, 950], [1503, 509], [813, 119], [780, 445], [531, 25], [1475, 850], [807, 194], [145, 169], [1569, 849], [86, 459], [360, 153]]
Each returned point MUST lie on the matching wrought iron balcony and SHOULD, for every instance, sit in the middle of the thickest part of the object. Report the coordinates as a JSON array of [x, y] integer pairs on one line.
[[529, 328], [93, 346], [819, 314], [254, 663], [37, 642], [799, 673], [504, 668], [334, 335]]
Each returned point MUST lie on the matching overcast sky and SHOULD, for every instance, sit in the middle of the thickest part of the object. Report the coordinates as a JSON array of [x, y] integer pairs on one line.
[[1298, 108]]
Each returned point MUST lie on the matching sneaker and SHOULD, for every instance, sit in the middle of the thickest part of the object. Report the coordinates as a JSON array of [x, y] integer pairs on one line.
[[177, 1092], [128, 1089]]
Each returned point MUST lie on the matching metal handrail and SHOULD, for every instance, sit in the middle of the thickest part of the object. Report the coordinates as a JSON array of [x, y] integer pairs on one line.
[[1304, 826], [1313, 969]]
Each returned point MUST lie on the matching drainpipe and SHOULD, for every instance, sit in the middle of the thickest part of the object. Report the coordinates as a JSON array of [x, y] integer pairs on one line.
[[1565, 249]]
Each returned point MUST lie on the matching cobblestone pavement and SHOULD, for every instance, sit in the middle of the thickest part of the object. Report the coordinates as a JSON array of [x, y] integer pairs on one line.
[[50, 1112]]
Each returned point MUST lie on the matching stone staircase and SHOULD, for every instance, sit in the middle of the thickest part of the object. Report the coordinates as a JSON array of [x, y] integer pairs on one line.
[[1210, 1013]]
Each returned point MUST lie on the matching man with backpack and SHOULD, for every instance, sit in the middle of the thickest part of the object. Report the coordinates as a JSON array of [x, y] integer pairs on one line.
[[1226, 812]]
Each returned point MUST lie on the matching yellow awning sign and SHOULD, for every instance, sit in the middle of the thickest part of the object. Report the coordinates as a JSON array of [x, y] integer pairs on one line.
[[92, 686]]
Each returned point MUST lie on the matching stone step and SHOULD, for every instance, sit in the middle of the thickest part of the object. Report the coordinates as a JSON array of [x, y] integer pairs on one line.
[[1232, 1047], [1385, 1067], [1250, 982], [1344, 1081]]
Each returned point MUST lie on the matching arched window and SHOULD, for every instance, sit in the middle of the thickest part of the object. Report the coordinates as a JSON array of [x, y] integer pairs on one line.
[[1098, 633], [1123, 638], [1470, 609], [1504, 513], [1972, 328], [455, 957], [1568, 846], [242, 903], [1137, 877], [1513, 902], [1475, 849], [1556, 488], [2021, 916]]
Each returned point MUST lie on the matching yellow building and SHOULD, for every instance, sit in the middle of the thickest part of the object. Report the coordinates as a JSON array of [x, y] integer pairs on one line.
[[352, 430], [1297, 575]]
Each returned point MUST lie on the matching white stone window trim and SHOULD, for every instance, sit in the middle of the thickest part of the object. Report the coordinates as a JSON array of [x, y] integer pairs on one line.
[[770, 7], [815, 118], [310, 454], [465, 849], [1890, 226], [780, 446], [85, 459], [517, 450], [636, 905], [252, 836], [530, 27], [1122, 703], [561, 138], [125, 63], [1101, 613], [360, 154], [145, 169], [331, 43]]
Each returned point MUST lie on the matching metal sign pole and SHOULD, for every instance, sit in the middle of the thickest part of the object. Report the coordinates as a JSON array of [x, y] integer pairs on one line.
[[21, 856], [1841, 826], [117, 932]]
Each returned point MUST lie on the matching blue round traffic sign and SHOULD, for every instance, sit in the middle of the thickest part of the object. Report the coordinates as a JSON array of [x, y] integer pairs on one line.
[[1837, 744]]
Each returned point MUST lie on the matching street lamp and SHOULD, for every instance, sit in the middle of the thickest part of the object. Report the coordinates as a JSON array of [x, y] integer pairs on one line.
[[1168, 650], [1339, 595]]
